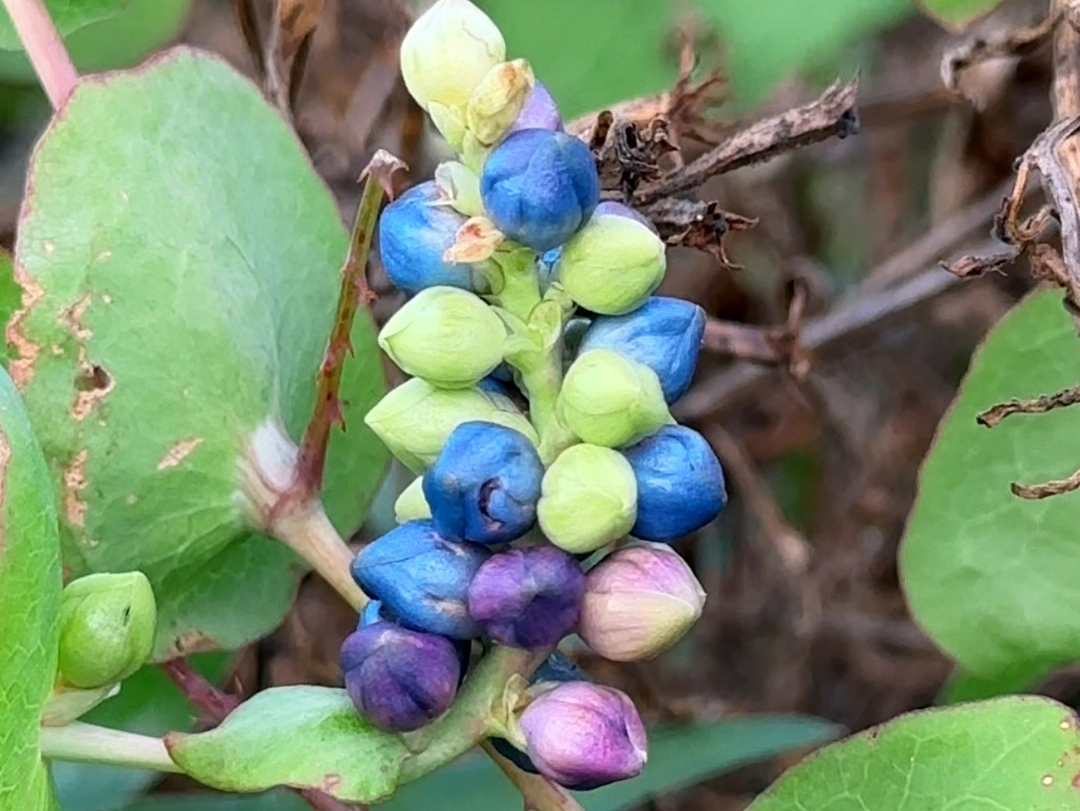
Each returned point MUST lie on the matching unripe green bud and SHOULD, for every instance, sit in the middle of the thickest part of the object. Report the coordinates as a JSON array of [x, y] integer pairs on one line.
[[415, 419], [446, 53], [612, 265], [496, 102], [460, 187], [107, 624], [588, 499], [445, 335], [610, 400], [411, 504]]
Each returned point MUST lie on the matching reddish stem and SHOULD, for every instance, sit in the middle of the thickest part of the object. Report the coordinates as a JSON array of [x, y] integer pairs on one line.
[[354, 292], [215, 705], [45, 48]]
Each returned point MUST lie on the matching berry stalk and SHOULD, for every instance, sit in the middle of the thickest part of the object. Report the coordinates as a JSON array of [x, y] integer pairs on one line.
[[86, 743], [45, 48]]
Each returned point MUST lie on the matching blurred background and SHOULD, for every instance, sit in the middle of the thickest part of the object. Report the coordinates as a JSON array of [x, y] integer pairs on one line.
[[805, 634]]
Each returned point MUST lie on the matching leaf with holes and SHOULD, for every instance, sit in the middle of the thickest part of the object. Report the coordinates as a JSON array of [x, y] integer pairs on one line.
[[1021, 752], [178, 291], [29, 606], [992, 577], [957, 15], [306, 737]]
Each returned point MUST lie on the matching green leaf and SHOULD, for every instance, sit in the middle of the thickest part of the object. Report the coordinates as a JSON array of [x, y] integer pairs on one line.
[[1010, 753], [992, 577], [29, 606], [768, 42], [10, 296], [963, 687], [99, 36], [181, 290], [958, 14], [149, 704], [591, 54], [307, 737]]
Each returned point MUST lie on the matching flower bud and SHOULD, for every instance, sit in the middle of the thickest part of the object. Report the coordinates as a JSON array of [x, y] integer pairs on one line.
[[415, 232], [612, 264], [620, 210], [411, 504], [498, 100], [459, 187], [399, 679], [107, 624], [421, 578], [588, 499], [680, 484], [540, 187], [584, 735], [539, 113], [607, 399], [448, 51], [665, 334], [639, 601], [447, 336], [484, 486], [527, 598], [415, 419]]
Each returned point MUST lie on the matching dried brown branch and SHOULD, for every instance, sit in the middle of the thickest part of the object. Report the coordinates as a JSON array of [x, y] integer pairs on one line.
[[771, 345], [354, 293], [1038, 405], [1013, 42], [1053, 488], [696, 224], [249, 28], [831, 115]]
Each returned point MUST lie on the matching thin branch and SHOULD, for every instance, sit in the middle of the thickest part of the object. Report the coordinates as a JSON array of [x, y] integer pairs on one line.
[[215, 705], [354, 292], [45, 48], [1038, 405], [86, 743], [1054, 488], [831, 115]]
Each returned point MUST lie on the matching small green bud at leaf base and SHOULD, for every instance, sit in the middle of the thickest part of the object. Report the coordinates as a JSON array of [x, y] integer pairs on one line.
[[447, 52], [415, 419], [496, 102], [612, 265], [107, 624], [610, 400], [460, 186], [445, 335], [588, 499], [411, 504]]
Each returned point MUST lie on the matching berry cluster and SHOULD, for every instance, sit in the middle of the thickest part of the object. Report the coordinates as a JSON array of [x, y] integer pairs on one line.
[[551, 475]]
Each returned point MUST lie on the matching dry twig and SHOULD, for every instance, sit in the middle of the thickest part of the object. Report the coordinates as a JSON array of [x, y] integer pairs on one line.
[[1038, 405]]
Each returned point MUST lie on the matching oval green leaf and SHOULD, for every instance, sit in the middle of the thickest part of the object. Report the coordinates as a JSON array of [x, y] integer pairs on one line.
[[179, 260], [29, 606], [990, 576], [305, 737], [1021, 752]]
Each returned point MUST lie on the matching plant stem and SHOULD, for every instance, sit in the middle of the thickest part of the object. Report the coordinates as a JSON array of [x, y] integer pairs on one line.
[[86, 743], [354, 292], [307, 531], [45, 48]]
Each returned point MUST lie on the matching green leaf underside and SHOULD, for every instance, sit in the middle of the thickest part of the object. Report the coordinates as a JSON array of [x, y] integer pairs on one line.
[[1021, 752], [307, 737], [29, 606], [188, 258], [958, 14], [678, 756], [148, 703], [117, 40], [992, 577]]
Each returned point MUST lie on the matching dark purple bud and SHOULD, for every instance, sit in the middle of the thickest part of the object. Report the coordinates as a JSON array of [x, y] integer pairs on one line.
[[527, 598], [539, 113], [539, 187], [421, 578], [485, 484], [399, 679], [664, 334], [584, 735], [680, 484]]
